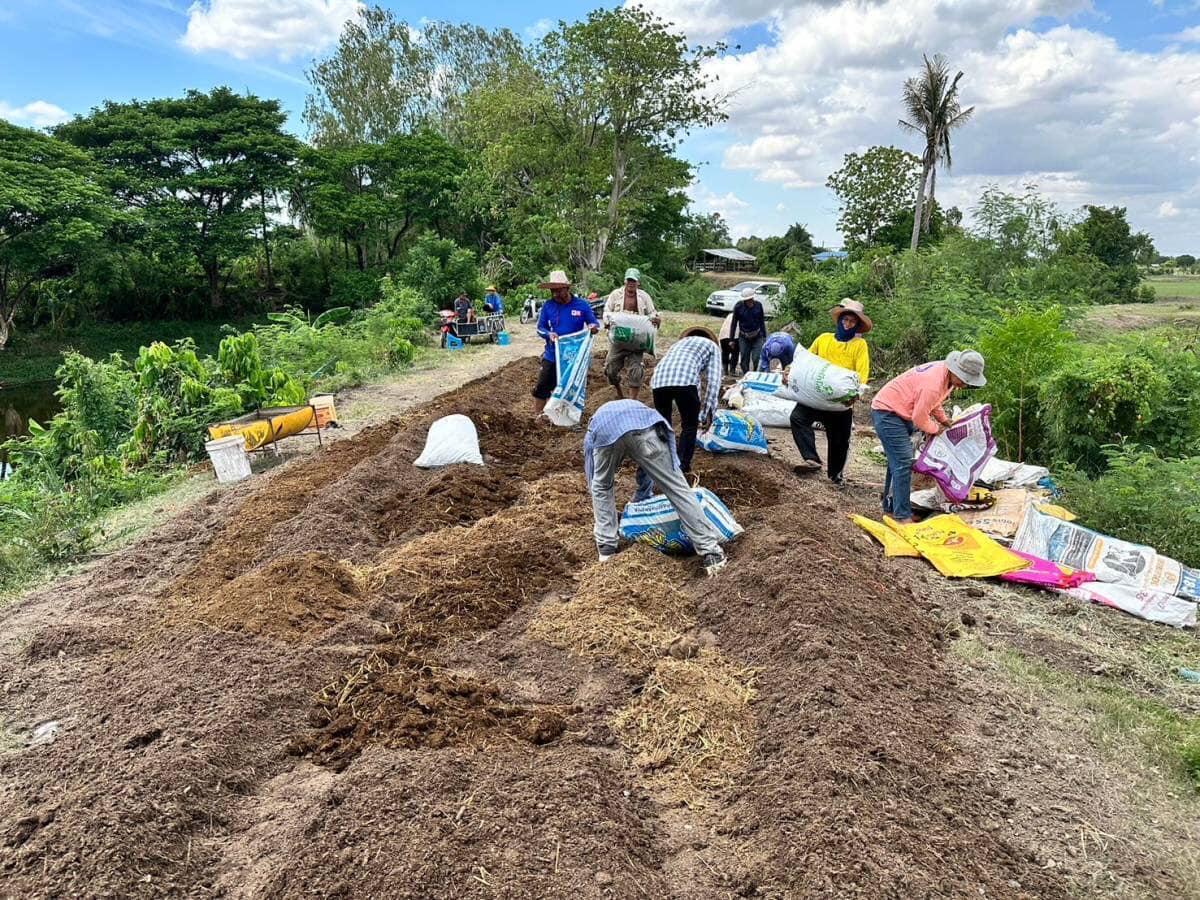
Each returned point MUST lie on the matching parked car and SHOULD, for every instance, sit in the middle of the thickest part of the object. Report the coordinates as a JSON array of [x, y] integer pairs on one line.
[[533, 305], [769, 293]]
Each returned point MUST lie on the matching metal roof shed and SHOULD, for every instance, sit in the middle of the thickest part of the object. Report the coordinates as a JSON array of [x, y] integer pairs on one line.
[[723, 259]]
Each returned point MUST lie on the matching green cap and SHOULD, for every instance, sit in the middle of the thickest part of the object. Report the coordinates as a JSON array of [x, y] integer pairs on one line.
[[633, 275]]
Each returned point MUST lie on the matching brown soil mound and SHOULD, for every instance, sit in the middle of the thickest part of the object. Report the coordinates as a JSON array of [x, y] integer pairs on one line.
[[399, 701], [457, 495], [740, 482], [292, 598]]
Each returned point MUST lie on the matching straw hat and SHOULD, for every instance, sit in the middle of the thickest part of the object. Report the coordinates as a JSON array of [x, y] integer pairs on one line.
[[557, 278], [698, 331], [492, 288], [853, 306], [967, 365]]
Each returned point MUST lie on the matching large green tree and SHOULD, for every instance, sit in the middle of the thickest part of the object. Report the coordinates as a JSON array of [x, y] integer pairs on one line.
[[53, 210], [873, 188], [370, 197], [387, 78], [203, 169], [1104, 233], [934, 110]]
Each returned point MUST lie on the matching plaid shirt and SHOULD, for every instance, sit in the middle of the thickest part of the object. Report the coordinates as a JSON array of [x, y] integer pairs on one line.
[[683, 365], [613, 421]]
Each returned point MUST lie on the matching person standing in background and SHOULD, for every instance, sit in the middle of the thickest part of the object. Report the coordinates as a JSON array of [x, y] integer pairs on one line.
[[750, 329], [493, 303], [729, 346]]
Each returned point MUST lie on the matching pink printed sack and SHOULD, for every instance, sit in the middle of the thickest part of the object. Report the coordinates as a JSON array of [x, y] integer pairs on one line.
[[955, 457]]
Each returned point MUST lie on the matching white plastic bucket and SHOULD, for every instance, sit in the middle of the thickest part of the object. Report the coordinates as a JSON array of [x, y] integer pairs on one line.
[[229, 459]]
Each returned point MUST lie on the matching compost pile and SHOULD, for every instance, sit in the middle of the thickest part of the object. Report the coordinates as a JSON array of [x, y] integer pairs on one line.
[[365, 679]]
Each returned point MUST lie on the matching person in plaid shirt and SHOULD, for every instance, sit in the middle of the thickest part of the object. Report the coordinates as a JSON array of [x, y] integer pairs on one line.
[[676, 382]]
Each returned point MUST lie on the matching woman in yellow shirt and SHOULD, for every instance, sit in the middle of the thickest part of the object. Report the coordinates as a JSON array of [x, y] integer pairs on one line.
[[846, 348]]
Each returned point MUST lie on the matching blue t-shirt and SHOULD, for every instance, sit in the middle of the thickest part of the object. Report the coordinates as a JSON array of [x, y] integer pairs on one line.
[[564, 318], [493, 303]]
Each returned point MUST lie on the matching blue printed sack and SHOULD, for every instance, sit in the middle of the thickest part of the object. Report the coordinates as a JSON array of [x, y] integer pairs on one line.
[[573, 355], [767, 382], [656, 523], [733, 432]]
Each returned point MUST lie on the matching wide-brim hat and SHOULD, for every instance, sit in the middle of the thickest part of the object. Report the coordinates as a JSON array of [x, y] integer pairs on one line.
[[855, 308], [968, 366], [699, 331], [557, 278]]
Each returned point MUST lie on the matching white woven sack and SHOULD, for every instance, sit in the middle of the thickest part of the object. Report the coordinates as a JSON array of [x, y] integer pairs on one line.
[[820, 384], [451, 439]]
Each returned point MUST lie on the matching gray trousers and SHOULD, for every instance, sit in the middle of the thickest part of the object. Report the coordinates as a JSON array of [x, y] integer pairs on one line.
[[649, 449]]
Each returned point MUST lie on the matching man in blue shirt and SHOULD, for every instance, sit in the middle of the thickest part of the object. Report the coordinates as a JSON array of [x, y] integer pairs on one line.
[[627, 428], [493, 303], [750, 328], [564, 314]]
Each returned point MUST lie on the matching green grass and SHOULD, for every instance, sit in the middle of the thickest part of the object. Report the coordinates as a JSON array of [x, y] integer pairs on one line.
[[1168, 287], [34, 356], [1121, 720]]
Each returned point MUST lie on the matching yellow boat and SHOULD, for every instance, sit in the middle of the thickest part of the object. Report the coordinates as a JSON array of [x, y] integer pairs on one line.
[[265, 426]]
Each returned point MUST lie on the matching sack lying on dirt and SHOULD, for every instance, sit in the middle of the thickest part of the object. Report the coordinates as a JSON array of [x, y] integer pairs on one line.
[[768, 382], [820, 384], [956, 549], [955, 457], [767, 410], [733, 432], [934, 500], [1112, 560], [656, 523], [1154, 606], [1002, 473], [893, 544], [573, 356], [451, 439], [1045, 574], [631, 332]]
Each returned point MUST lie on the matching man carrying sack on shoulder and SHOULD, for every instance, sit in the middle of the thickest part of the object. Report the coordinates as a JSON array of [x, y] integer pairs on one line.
[[628, 300]]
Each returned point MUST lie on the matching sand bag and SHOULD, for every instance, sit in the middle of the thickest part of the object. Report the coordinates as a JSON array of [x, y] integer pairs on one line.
[[573, 355], [656, 523], [820, 384], [1045, 574], [956, 549], [733, 432], [1110, 559], [451, 439], [955, 457], [892, 543], [1154, 606], [630, 331], [767, 410], [767, 382]]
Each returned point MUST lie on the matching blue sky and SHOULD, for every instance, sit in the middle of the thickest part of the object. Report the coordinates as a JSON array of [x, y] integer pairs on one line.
[[1093, 101]]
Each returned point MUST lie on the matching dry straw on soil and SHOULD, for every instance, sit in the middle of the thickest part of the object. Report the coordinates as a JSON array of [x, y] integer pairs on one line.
[[693, 717], [627, 610]]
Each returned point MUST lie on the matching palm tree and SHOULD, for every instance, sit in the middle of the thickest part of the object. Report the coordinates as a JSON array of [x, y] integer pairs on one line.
[[931, 99]]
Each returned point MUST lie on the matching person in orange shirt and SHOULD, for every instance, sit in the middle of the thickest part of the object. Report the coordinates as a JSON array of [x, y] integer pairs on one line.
[[914, 400]]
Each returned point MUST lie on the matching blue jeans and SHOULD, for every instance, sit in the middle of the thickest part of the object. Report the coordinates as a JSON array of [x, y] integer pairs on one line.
[[895, 434]]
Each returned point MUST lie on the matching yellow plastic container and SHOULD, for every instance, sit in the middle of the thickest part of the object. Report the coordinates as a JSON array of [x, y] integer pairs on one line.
[[270, 425]]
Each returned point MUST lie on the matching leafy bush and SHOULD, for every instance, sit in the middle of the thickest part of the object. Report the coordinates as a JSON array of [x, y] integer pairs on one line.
[[1142, 497], [1021, 350], [1142, 391], [438, 269], [683, 296]]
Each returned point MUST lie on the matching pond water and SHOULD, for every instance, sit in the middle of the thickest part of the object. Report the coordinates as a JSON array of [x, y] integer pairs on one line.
[[19, 404]]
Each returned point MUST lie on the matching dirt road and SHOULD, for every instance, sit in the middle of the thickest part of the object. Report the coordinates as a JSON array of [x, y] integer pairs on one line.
[[355, 678]]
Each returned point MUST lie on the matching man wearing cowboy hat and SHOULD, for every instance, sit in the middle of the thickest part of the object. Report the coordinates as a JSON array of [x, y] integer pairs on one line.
[[750, 328], [629, 298], [493, 303], [845, 348], [564, 314], [914, 400]]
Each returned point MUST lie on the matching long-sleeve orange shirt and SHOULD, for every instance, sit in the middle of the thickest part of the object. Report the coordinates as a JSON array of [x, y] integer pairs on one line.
[[917, 395]]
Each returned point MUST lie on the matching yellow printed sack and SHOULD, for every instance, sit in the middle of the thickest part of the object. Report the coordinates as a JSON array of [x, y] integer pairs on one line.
[[956, 549], [893, 544]]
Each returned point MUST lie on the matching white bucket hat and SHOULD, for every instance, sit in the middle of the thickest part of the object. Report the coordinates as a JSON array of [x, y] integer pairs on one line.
[[967, 365], [747, 293], [557, 278]]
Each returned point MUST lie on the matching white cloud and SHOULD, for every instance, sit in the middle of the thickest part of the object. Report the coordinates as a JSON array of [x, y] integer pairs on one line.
[[38, 114], [539, 29], [1168, 210], [1189, 35], [283, 29], [1066, 107]]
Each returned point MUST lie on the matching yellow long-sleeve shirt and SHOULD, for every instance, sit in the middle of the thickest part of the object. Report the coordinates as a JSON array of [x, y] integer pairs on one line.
[[852, 354]]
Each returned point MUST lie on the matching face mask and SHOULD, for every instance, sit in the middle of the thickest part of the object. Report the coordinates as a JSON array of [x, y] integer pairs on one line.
[[844, 334]]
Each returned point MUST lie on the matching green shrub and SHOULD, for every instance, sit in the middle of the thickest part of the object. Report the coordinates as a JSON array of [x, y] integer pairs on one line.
[[1142, 391], [1021, 351], [683, 296], [1141, 497], [438, 269]]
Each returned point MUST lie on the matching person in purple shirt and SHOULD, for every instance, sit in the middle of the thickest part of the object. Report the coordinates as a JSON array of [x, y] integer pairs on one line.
[[779, 346], [564, 314]]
